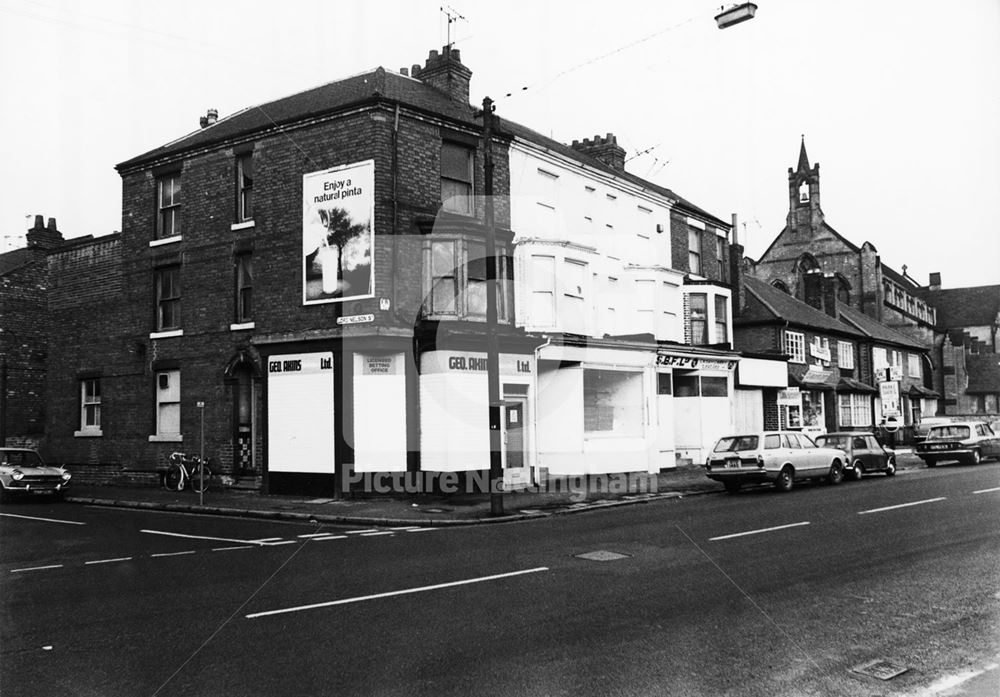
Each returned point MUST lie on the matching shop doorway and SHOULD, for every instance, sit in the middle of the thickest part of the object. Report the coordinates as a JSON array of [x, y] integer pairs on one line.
[[517, 474]]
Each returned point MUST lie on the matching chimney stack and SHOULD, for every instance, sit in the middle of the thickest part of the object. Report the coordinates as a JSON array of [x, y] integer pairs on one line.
[[934, 282], [210, 117], [445, 72], [605, 150], [45, 238]]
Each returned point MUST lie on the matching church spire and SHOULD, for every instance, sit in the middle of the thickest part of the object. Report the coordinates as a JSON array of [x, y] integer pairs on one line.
[[803, 158]]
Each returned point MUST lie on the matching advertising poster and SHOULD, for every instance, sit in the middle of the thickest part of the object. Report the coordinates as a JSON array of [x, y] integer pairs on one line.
[[338, 233]]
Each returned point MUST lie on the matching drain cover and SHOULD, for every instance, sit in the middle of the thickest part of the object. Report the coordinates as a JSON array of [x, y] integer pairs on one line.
[[601, 555], [881, 669]]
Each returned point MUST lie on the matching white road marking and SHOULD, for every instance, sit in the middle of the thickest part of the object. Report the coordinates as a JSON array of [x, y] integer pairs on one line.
[[360, 532], [268, 539], [205, 537], [224, 549], [986, 491], [421, 589], [173, 554], [423, 529], [275, 544], [36, 568], [407, 528], [313, 534], [372, 534], [328, 537], [756, 532], [46, 520], [901, 505], [107, 561]]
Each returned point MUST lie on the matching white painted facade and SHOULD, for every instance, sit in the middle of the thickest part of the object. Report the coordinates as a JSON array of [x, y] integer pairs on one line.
[[593, 269]]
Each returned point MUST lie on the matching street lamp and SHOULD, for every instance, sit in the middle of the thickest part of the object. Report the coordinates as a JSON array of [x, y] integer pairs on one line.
[[734, 14]]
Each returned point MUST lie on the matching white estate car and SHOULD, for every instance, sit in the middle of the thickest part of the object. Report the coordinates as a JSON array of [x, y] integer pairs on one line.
[[780, 457]]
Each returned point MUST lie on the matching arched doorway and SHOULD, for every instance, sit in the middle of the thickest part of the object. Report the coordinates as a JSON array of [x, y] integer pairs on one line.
[[243, 375]]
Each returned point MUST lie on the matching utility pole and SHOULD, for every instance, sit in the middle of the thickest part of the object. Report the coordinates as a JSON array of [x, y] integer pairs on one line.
[[492, 351]]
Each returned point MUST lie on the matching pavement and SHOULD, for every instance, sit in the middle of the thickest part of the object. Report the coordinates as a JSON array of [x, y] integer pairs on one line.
[[552, 497]]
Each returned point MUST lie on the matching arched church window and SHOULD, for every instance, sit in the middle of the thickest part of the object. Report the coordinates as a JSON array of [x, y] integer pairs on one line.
[[780, 285], [804, 192], [808, 263]]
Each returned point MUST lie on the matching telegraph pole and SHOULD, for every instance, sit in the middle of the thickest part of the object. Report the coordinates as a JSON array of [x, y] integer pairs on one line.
[[492, 351]]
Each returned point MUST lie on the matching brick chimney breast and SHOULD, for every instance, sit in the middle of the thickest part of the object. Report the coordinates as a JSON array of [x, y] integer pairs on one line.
[[42, 237], [444, 71], [605, 150]]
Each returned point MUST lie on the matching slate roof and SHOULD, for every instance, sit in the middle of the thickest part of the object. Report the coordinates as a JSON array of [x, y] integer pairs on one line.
[[15, 259], [964, 307], [313, 103], [783, 307], [984, 372], [876, 330], [367, 88]]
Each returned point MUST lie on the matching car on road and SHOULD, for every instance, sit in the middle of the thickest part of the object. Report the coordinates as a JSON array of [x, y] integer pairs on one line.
[[965, 441], [921, 429], [864, 453], [22, 471], [779, 457]]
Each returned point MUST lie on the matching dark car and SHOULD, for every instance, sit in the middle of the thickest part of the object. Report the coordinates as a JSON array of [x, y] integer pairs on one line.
[[23, 472], [965, 441], [865, 454]]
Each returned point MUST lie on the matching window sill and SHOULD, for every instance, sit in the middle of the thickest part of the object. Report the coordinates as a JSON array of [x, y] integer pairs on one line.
[[88, 433], [246, 224], [167, 334], [241, 326], [166, 438], [165, 240]]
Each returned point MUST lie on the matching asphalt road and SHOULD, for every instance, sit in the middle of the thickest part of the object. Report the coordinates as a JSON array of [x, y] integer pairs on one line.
[[759, 593]]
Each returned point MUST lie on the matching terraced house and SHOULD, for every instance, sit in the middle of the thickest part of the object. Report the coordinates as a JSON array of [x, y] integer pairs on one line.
[[308, 279]]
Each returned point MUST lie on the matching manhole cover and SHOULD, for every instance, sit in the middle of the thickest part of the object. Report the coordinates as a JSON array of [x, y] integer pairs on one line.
[[601, 555], [881, 669]]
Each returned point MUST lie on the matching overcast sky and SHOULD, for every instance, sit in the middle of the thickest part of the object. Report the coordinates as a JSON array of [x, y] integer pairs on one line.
[[899, 101]]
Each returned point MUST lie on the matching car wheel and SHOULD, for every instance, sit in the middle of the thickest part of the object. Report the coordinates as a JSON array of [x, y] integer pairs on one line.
[[856, 472], [976, 458], [890, 468], [836, 475], [786, 479], [732, 487], [931, 462]]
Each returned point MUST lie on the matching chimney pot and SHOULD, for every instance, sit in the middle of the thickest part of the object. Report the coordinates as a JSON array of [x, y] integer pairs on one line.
[[432, 55], [203, 121], [414, 70], [405, 72], [52, 224], [213, 116], [39, 223], [456, 55]]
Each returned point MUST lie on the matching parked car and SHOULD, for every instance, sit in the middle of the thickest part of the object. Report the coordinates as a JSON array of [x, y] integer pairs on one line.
[[921, 429], [779, 457], [965, 441], [23, 472], [864, 453]]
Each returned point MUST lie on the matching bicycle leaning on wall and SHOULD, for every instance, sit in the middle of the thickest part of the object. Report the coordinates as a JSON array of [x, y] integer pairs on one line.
[[184, 468]]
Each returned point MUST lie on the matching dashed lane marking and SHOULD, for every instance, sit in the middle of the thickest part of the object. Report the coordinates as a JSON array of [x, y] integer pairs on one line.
[[226, 549], [174, 554], [206, 537], [36, 568], [986, 491], [381, 532], [406, 591], [901, 505], [46, 520], [107, 561], [329, 537], [757, 532]]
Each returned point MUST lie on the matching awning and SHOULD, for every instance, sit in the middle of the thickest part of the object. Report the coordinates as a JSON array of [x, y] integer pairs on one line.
[[921, 391], [814, 379], [852, 385]]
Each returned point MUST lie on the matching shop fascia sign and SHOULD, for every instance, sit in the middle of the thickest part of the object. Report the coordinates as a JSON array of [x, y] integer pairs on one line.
[[820, 352], [462, 362], [791, 396], [673, 360]]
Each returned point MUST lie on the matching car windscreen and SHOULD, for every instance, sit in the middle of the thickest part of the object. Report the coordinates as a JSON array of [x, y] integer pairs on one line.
[[960, 432], [833, 441], [20, 458], [736, 444]]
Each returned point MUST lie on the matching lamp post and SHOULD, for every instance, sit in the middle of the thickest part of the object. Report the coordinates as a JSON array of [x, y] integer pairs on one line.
[[492, 351]]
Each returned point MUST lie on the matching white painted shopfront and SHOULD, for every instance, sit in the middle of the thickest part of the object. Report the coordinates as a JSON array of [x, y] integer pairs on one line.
[[612, 407], [454, 412]]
